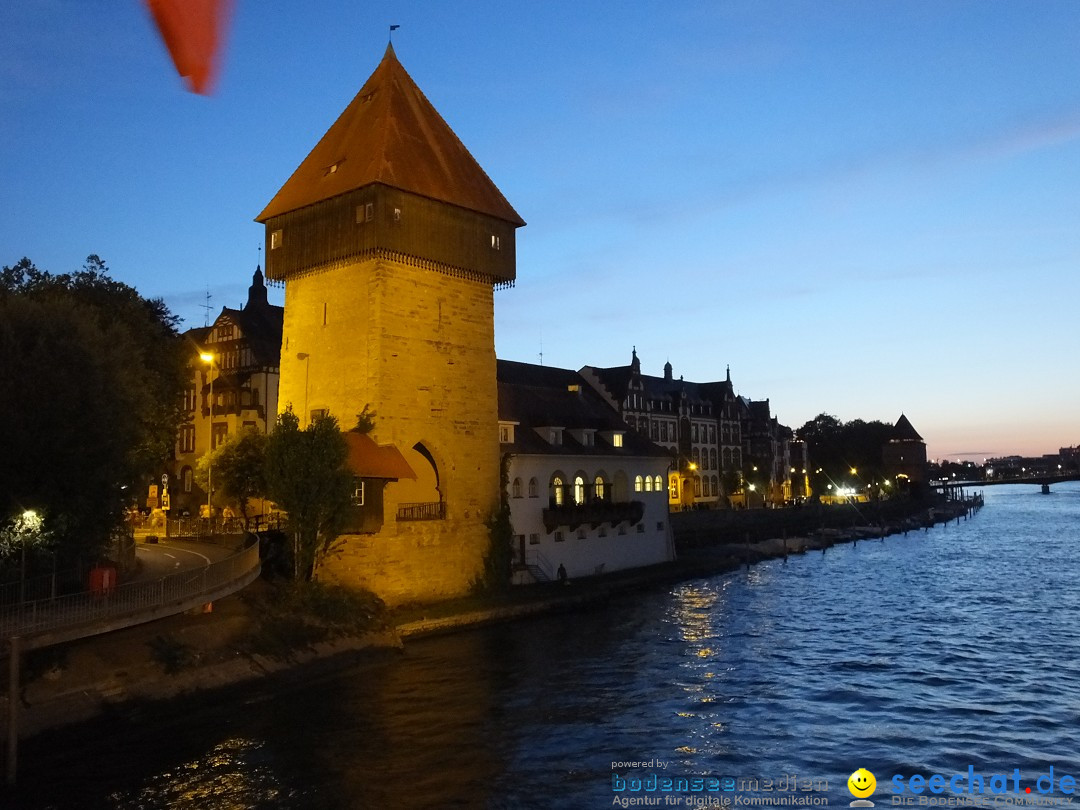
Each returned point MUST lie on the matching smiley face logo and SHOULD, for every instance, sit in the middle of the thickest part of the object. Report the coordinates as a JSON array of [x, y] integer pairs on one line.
[[861, 783]]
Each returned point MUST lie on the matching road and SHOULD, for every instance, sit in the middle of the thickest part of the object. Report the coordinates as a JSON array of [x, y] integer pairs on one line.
[[165, 557]]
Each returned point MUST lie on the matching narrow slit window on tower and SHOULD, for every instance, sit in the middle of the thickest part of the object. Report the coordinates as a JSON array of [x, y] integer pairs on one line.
[[324, 313], [275, 240], [494, 242], [397, 215]]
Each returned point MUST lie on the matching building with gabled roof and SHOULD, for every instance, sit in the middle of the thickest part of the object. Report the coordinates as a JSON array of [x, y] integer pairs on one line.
[[245, 344], [587, 494], [696, 422], [389, 240]]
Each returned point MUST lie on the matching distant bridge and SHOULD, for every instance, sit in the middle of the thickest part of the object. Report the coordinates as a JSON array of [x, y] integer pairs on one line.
[[1038, 480]]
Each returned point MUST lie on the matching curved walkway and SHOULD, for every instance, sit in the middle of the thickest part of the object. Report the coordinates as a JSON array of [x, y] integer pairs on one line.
[[176, 577]]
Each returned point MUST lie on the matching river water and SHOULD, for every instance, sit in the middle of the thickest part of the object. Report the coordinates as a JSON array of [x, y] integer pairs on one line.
[[931, 653]]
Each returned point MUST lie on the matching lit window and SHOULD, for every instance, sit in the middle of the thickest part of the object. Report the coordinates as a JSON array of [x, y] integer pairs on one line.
[[275, 240], [648, 483], [557, 490], [658, 484], [616, 440], [598, 487], [494, 242], [579, 490], [639, 483], [397, 215], [358, 492]]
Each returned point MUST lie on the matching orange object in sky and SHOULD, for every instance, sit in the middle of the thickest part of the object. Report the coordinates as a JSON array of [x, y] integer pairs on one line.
[[193, 31]]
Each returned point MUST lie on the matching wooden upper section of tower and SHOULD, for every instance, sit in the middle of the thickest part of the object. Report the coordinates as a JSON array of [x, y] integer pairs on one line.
[[390, 177]]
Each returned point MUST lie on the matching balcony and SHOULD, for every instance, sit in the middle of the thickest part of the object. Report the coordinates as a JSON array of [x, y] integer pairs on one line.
[[593, 513]]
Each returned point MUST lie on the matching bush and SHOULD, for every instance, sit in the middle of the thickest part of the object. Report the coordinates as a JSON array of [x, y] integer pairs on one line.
[[296, 615]]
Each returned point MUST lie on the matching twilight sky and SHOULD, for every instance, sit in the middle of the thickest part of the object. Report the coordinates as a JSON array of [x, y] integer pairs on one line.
[[863, 207]]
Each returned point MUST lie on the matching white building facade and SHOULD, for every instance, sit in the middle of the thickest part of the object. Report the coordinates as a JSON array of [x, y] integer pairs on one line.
[[587, 495]]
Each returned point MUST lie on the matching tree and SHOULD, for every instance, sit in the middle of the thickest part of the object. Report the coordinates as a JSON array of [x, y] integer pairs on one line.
[[90, 380], [307, 476], [156, 361], [836, 448], [365, 420], [238, 468]]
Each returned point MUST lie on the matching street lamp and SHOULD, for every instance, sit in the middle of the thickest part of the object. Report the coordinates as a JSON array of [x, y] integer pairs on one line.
[[208, 358], [30, 522]]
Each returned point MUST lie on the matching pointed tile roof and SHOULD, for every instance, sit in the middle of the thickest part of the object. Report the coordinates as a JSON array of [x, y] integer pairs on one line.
[[391, 134], [904, 431]]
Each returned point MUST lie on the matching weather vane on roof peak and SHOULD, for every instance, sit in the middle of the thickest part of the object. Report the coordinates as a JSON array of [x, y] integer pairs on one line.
[[393, 28]]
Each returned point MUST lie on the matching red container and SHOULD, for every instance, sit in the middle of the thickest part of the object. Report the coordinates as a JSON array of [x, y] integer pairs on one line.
[[102, 579]]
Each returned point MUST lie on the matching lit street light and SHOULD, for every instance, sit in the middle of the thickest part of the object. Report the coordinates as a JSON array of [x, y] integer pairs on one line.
[[208, 358]]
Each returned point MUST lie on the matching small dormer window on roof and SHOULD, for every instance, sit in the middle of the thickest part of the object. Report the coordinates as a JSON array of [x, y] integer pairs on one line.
[[506, 432]]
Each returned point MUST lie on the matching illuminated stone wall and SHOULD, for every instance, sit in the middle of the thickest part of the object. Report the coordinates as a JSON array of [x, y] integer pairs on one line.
[[418, 346]]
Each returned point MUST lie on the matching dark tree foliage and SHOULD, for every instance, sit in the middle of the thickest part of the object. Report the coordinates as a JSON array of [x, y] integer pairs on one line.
[[307, 476], [238, 468], [499, 559], [91, 375], [836, 448]]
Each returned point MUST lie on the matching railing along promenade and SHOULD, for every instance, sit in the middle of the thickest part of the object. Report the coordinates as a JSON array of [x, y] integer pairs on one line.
[[42, 622]]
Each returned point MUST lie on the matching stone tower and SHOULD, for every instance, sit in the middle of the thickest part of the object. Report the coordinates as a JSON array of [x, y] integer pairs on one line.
[[389, 239]]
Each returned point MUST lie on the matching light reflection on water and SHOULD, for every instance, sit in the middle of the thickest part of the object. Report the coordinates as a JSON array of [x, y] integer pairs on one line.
[[919, 654]]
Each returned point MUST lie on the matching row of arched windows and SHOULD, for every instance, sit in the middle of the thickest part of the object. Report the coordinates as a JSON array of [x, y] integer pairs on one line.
[[648, 484], [583, 488]]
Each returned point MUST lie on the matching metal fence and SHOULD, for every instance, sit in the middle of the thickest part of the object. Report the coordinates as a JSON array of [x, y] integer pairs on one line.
[[43, 615], [202, 527]]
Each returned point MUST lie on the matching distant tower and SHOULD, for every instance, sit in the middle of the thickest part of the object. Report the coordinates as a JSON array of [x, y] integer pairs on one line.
[[904, 455], [389, 239]]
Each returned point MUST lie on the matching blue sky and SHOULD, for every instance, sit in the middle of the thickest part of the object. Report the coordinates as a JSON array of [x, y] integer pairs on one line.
[[862, 207]]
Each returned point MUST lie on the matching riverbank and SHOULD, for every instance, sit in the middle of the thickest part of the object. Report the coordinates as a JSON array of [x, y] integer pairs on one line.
[[198, 652]]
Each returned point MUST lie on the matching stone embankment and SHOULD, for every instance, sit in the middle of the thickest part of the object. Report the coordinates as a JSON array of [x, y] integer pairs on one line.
[[724, 544]]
